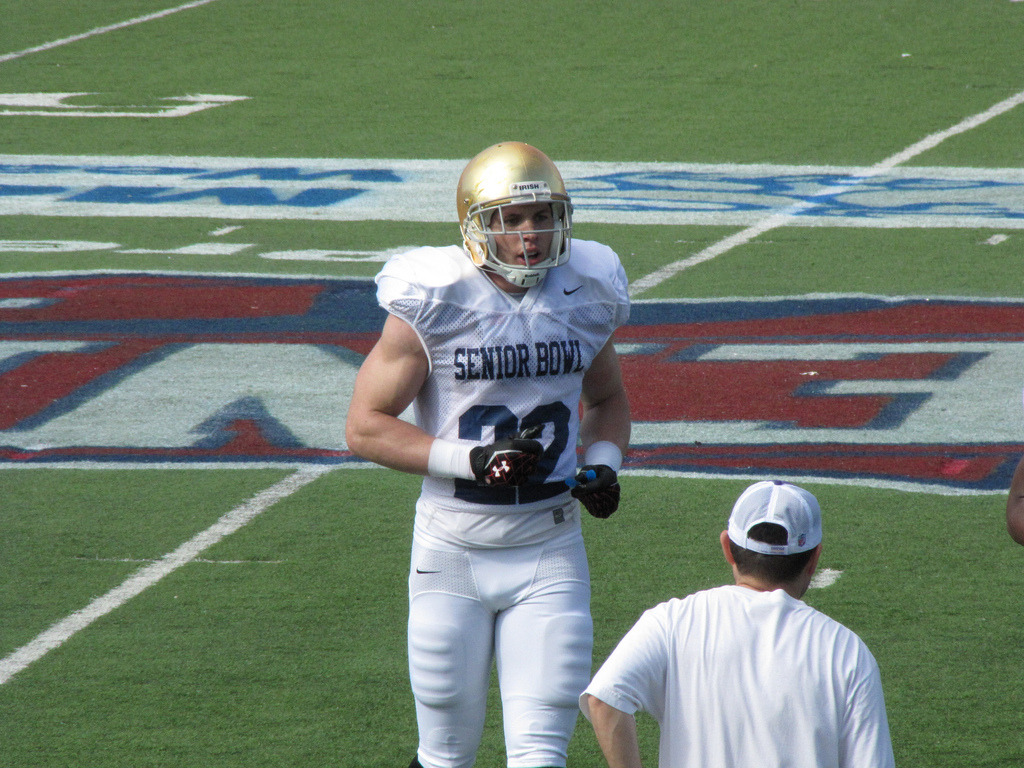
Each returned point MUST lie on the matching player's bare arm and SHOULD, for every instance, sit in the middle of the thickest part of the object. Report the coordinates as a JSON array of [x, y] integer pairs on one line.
[[386, 384], [606, 415], [616, 734], [388, 381], [1015, 505], [604, 431]]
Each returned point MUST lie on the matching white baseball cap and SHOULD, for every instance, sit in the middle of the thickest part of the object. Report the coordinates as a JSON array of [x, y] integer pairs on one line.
[[773, 501]]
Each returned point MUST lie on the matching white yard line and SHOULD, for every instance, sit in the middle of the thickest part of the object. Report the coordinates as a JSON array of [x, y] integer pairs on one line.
[[101, 31], [781, 219], [146, 577]]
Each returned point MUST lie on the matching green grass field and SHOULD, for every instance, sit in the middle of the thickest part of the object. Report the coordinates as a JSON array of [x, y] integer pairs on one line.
[[283, 643]]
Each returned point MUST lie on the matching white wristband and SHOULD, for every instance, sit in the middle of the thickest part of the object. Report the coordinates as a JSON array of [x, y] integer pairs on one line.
[[604, 452], [448, 459]]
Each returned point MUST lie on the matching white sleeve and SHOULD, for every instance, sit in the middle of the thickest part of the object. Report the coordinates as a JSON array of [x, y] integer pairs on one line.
[[865, 738], [397, 289], [633, 676]]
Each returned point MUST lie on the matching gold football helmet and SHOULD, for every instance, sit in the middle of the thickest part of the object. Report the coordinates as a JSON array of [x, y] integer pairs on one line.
[[512, 173]]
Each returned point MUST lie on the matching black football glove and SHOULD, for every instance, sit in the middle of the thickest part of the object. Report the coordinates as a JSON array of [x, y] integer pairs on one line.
[[597, 488], [509, 461]]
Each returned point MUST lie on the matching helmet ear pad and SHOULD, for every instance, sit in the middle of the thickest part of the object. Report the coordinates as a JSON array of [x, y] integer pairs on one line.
[[476, 242]]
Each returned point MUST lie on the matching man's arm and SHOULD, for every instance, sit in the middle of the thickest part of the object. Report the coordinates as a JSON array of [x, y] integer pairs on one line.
[[1015, 505], [606, 414], [616, 734], [388, 381], [604, 430]]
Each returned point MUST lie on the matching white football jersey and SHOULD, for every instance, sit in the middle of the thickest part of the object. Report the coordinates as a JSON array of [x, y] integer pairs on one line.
[[501, 363]]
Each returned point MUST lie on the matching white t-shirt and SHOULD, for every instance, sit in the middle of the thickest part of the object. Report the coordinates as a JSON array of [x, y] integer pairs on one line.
[[499, 364], [738, 678]]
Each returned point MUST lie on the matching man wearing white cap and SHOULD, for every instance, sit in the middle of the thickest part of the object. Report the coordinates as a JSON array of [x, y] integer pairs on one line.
[[747, 674]]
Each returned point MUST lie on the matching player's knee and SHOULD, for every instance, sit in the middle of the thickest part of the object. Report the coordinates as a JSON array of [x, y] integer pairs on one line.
[[451, 747]]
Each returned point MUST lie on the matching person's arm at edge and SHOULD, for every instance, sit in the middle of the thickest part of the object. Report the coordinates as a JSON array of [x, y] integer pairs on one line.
[[616, 734], [388, 381], [1015, 505]]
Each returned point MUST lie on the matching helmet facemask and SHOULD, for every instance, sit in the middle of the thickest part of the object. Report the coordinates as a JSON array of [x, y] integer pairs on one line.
[[487, 221], [505, 175]]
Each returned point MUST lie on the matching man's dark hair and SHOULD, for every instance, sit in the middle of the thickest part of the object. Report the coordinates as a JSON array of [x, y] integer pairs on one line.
[[775, 569]]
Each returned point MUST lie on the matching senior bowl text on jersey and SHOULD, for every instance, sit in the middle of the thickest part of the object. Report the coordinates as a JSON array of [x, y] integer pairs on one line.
[[513, 361]]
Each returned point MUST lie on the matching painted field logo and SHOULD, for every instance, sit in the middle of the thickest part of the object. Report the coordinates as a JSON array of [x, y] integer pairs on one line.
[[899, 392], [157, 369], [144, 369]]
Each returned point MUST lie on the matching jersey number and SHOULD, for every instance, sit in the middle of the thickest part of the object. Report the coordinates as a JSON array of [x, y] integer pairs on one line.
[[505, 424]]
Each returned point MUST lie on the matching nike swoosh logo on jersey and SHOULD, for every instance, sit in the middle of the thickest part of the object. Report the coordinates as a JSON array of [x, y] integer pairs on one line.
[[570, 293], [419, 571]]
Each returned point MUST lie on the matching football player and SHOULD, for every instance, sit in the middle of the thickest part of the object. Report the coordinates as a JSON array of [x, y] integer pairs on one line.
[[503, 347]]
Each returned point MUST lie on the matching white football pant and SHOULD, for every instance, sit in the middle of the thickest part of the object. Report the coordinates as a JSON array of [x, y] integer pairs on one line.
[[528, 608]]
